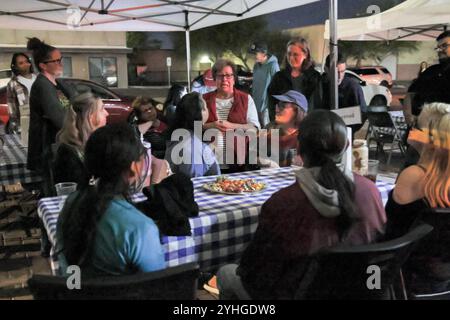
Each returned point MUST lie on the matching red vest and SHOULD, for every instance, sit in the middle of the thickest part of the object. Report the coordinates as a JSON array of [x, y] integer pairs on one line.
[[238, 114], [238, 111]]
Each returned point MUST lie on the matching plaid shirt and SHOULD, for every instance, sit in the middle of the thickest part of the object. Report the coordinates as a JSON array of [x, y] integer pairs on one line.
[[17, 95]]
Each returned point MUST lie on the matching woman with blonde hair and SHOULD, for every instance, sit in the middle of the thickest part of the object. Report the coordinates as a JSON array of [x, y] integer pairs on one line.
[[419, 189], [86, 114], [427, 184]]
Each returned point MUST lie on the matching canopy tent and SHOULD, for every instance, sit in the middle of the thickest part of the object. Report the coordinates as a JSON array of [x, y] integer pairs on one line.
[[133, 15], [414, 20], [139, 15]]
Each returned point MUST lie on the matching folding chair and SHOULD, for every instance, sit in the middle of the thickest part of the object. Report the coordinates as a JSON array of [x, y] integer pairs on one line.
[[175, 283], [343, 272], [427, 273], [383, 129]]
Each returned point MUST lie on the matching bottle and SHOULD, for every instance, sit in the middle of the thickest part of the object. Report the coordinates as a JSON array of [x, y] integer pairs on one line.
[[360, 156]]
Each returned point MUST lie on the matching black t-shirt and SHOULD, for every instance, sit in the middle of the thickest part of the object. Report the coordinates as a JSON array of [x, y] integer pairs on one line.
[[433, 85]]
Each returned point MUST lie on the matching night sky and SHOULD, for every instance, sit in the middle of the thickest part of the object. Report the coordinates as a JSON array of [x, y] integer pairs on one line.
[[317, 13], [311, 14]]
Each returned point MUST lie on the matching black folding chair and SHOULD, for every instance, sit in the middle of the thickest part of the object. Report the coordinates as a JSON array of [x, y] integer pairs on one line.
[[427, 273], [383, 130], [175, 283], [359, 272]]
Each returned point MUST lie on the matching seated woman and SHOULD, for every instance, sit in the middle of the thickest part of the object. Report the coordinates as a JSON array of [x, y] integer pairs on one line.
[[86, 114], [422, 186], [425, 185], [98, 228], [289, 113], [325, 206], [148, 126], [196, 158]]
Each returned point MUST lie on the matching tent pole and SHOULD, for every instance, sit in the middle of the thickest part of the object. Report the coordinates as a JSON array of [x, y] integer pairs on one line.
[[333, 55], [188, 51], [188, 59]]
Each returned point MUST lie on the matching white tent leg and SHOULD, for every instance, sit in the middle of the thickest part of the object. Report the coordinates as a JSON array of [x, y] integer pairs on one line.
[[188, 59], [333, 55]]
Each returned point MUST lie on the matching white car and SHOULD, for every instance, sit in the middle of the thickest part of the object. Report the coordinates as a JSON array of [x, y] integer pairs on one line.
[[5, 76], [375, 95]]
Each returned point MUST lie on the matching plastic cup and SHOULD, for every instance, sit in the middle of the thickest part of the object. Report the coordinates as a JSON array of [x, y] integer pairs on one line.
[[65, 188], [372, 170]]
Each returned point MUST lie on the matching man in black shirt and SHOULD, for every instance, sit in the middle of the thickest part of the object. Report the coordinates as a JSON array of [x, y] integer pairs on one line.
[[432, 85], [350, 93]]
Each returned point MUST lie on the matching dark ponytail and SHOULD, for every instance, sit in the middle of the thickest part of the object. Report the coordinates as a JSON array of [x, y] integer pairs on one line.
[[322, 140], [109, 154], [41, 51]]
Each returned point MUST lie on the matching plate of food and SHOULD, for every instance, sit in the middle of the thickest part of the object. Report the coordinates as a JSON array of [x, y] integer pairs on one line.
[[235, 186]]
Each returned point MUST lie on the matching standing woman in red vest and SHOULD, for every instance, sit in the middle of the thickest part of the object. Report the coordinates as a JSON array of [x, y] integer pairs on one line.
[[229, 108]]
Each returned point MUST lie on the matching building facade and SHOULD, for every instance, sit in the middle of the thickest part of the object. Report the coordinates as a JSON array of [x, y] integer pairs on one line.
[[96, 56]]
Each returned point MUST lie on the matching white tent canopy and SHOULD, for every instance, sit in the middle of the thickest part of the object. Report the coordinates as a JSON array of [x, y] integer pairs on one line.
[[143, 15], [416, 20], [133, 15]]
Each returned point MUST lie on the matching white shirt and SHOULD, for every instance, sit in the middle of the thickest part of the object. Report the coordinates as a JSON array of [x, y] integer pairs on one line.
[[27, 82], [223, 107]]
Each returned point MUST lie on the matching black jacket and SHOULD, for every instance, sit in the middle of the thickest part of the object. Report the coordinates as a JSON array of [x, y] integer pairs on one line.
[[48, 105], [433, 85], [310, 87], [68, 165], [170, 203]]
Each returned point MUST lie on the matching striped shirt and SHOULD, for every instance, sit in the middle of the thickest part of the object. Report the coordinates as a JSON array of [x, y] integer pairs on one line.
[[223, 107]]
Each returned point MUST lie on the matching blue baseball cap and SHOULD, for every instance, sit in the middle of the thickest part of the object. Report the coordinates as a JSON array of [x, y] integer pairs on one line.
[[294, 97]]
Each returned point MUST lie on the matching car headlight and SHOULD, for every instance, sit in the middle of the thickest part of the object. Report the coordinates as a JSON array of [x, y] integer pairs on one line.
[[111, 81]]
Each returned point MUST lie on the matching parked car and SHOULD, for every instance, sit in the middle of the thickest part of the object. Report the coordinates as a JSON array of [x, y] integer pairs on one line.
[[4, 115], [374, 75], [5, 76], [374, 94], [118, 107]]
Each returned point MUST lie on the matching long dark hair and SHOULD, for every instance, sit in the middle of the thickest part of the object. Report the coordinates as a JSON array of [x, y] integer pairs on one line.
[[322, 138], [14, 62], [109, 154], [41, 51], [188, 111], [174, 95]]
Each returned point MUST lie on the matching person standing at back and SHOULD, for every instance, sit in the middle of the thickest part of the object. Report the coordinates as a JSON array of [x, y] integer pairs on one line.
[[265, 67], [350, 93], [18, 89], [432, 85], [298, 74], [48, 105]]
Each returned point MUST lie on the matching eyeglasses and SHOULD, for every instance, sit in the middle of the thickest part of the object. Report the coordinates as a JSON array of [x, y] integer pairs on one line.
[[442, 47], [58, 61], [224, 76]]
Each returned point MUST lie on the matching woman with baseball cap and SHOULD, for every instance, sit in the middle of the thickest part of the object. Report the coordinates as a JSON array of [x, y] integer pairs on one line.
[[290, 110]]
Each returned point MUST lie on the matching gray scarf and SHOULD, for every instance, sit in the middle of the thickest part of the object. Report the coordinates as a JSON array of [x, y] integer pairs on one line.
[[322, 199]]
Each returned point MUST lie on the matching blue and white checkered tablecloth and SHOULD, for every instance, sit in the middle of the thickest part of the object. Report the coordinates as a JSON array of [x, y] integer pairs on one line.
[[224, 226], [13, 162]]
